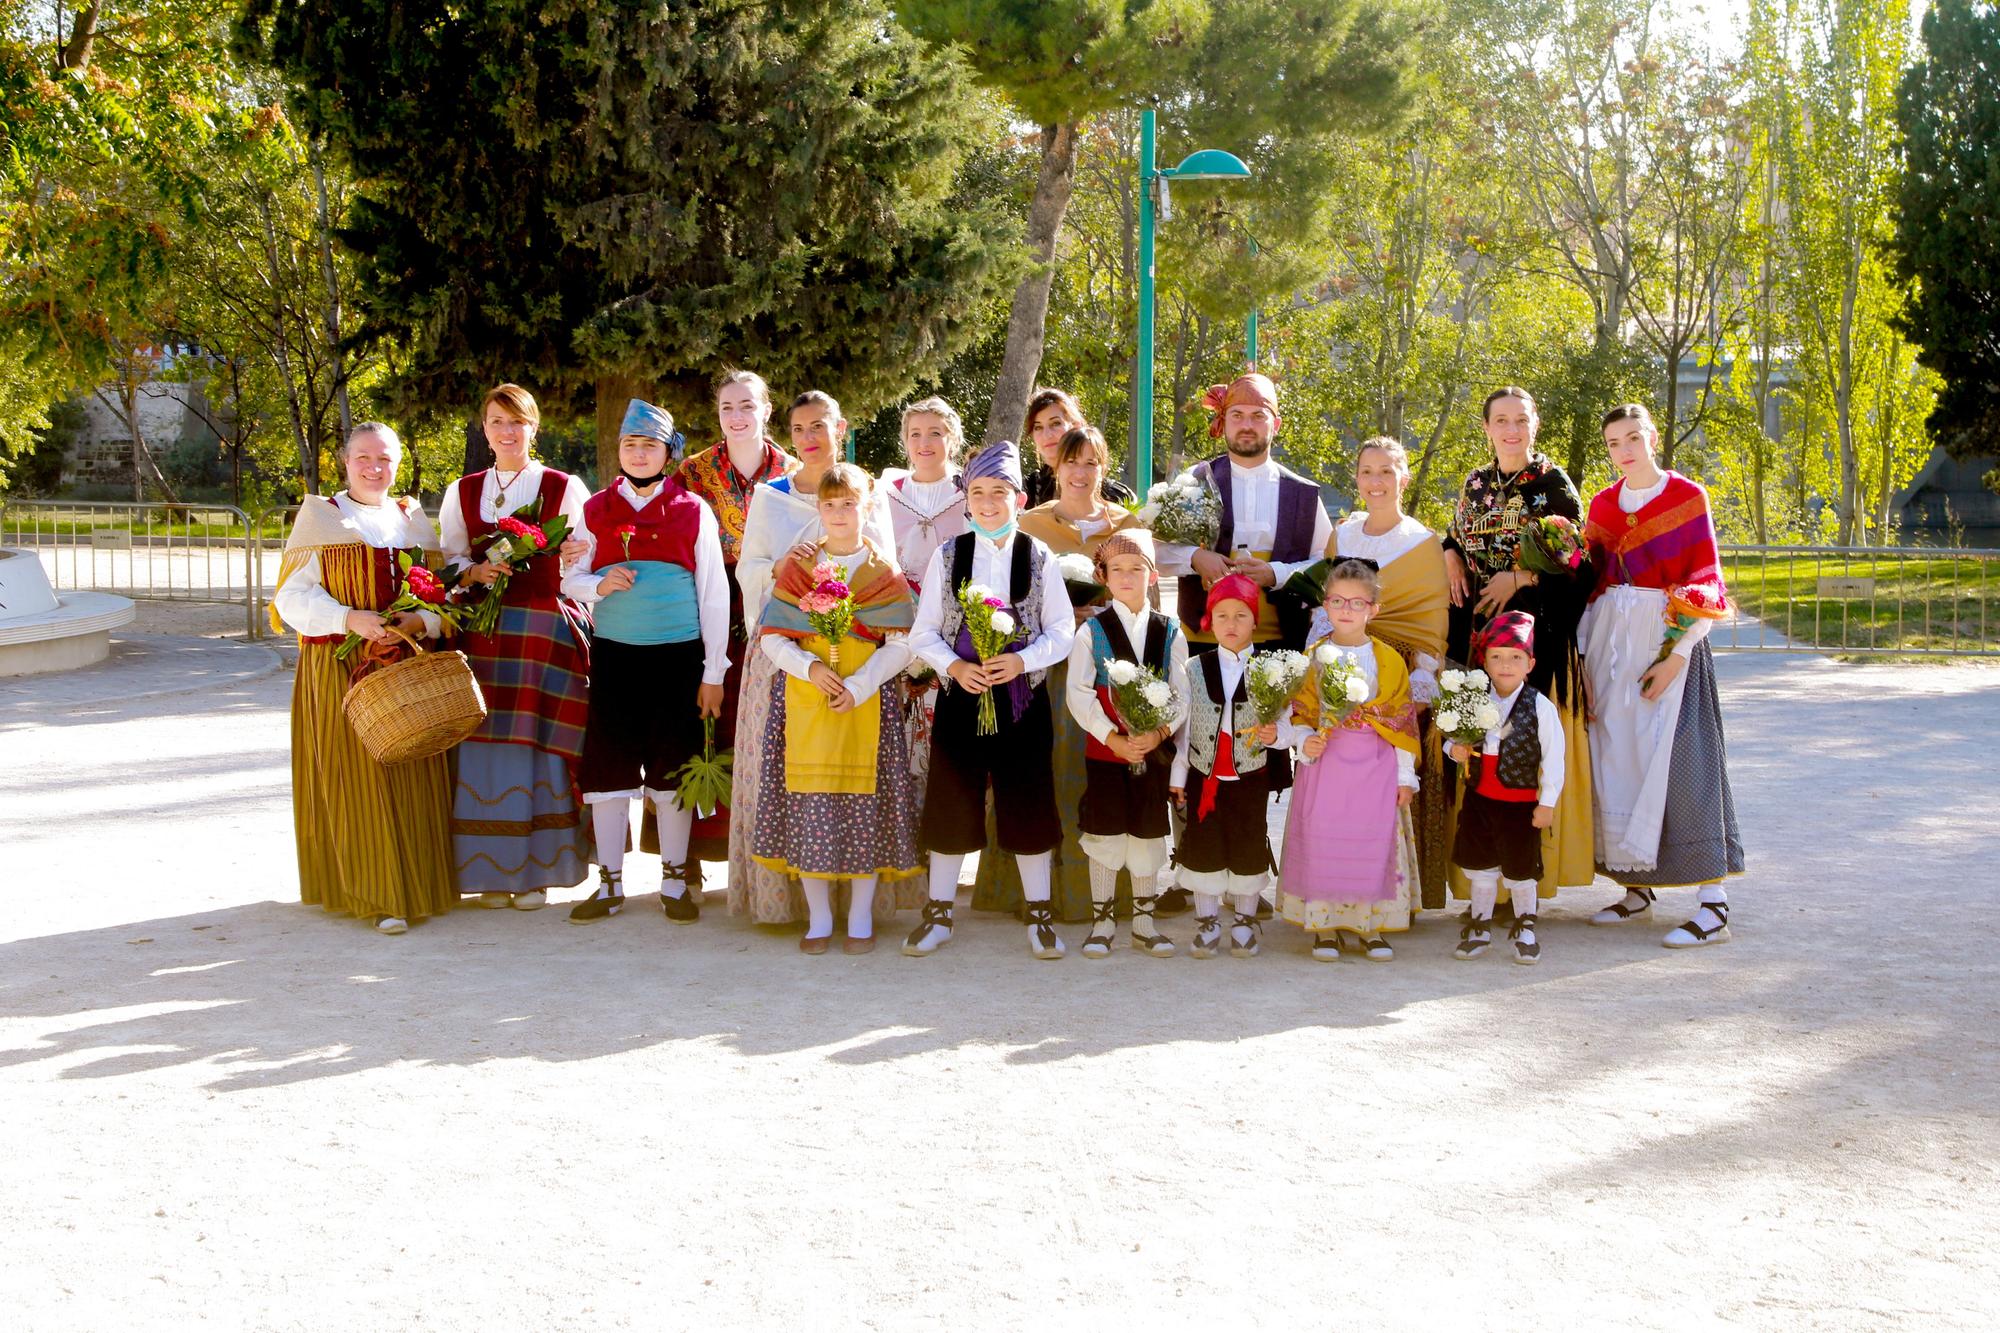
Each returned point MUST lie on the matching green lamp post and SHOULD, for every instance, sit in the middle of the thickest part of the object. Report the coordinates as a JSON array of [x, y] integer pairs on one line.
[[1207, 164]]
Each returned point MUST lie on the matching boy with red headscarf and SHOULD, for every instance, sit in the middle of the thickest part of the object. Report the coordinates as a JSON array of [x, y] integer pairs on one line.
[[1511, 789], [1222, 776]]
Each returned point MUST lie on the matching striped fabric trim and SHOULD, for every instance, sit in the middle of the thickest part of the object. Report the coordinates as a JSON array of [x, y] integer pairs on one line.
[[513, 828]]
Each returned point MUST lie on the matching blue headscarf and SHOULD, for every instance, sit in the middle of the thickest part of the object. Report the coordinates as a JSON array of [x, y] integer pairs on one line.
[[642, 418]]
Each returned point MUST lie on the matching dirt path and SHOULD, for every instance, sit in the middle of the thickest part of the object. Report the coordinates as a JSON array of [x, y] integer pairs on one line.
[[226, 1109]]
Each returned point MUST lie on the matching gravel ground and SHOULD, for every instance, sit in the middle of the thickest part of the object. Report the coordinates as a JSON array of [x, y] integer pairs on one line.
[[231, 1110]]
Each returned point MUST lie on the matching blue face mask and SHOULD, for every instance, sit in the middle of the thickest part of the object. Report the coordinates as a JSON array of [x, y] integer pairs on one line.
[[991, 534]]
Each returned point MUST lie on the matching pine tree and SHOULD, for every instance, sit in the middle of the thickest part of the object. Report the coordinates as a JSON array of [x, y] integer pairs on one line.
[[607, 199], [1948, 218]]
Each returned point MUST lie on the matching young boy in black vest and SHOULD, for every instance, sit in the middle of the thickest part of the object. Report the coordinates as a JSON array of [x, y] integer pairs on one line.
[[1510, 792], [1017, 760], [1123, 819], [1222, 777]]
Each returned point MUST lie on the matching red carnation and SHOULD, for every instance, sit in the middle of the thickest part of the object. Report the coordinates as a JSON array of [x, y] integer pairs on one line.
[[425, 584]]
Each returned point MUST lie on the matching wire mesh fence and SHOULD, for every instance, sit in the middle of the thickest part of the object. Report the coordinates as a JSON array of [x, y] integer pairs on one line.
[[1904, 601]]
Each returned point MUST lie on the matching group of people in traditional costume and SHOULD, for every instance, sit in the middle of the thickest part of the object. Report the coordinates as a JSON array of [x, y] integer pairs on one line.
[[965, 704]]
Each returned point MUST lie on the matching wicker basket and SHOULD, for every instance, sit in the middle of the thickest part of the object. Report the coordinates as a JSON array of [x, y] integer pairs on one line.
[[415, 708]]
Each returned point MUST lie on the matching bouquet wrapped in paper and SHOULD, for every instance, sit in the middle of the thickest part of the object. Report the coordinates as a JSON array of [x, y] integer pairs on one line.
[[1142, 698], [519, 542], [1342, 686], [830, 608], [1687, 603], [1079, 576], [991, 628], [1272, 678], [1550, 545], [421, 591], [1185, 511], [1464, 711]]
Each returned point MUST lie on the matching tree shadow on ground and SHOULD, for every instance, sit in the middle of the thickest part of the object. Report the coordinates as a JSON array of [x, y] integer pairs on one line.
[[271, 993], [268, 994]]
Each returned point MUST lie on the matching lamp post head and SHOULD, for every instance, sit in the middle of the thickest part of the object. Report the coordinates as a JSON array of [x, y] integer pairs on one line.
[[1208, 164]]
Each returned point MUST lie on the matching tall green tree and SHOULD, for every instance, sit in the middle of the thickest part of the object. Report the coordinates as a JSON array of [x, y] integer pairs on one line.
[[1948, 217], [105, 112], [608, 199], [1265, 79], [1829, 71]]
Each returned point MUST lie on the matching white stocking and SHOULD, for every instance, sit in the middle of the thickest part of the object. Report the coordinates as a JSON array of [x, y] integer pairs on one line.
[[610, 820], [1485, 886], [819, 907], [676, 826], [1035, 876], [944, 875], [860, 907]]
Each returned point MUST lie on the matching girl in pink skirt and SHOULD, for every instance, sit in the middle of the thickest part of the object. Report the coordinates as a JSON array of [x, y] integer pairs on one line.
[[1349, 872]]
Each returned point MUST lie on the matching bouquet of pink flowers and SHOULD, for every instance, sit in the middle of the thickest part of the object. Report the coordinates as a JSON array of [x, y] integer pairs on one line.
[[991, 628], [830, 608], [519, 542], [421, 591]]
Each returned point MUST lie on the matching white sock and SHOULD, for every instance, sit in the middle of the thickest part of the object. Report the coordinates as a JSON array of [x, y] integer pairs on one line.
[[676, 826], [1103, 889], [1145, 888], [1246, 903], [1035, 876], [1710, 895], [944, 875], [860, 907], [1485, 885], [609, 821], [1207, 904], [1522, 891], [819, 907]]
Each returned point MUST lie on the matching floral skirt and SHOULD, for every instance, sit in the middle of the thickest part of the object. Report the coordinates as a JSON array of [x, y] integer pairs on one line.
[[766, 895], [839, 835]]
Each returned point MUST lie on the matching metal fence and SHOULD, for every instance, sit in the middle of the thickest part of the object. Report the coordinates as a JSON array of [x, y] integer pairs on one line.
[[1907, 600], [1898, 600], [155, 551]]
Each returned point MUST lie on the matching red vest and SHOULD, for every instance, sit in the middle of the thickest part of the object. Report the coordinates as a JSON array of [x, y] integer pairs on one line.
[[540, 582], [663, 530]]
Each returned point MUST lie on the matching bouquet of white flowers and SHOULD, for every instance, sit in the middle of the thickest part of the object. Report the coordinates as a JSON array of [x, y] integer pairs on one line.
[[1464, 711], [1143, 700], [1079, 575], [1274, 677], [1342, 686], [1186, 511]]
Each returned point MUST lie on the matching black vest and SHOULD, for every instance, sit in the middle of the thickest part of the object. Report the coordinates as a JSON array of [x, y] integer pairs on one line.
[[1519, 763]]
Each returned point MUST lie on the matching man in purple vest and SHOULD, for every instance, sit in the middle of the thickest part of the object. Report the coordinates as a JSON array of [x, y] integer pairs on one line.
[[1273, 523]]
